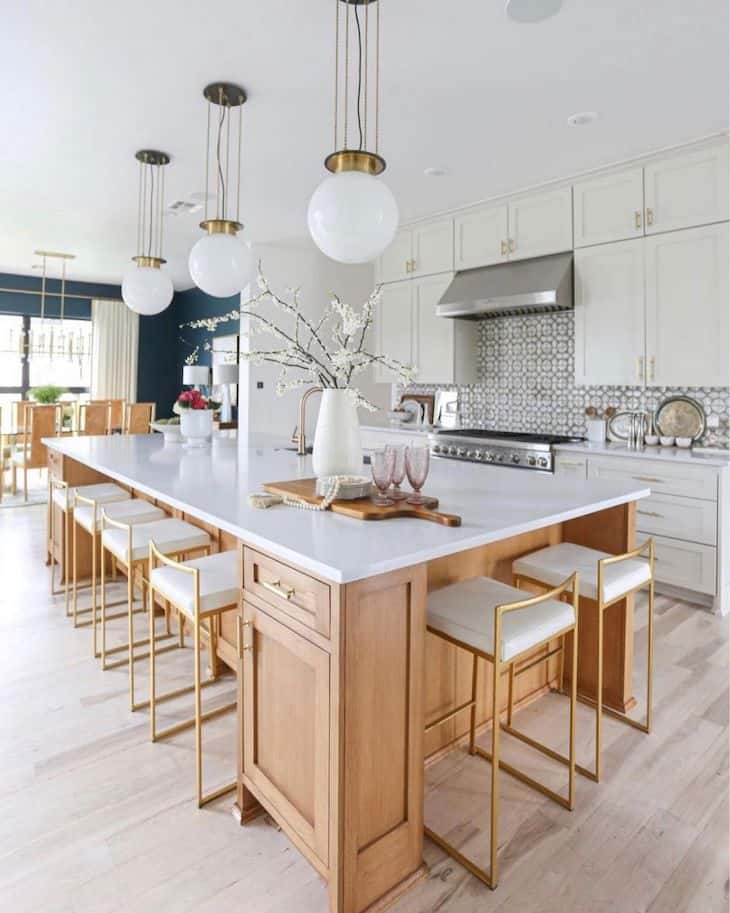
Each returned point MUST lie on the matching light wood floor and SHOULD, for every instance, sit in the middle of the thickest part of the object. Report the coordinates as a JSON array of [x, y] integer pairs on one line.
[[96, 819]]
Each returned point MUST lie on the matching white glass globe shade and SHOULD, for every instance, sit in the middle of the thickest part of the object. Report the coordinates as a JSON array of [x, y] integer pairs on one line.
[[221, 264], [352, 217], [146, 290]]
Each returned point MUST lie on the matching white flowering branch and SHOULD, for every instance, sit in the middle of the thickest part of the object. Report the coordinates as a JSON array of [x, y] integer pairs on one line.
[[330, 352]]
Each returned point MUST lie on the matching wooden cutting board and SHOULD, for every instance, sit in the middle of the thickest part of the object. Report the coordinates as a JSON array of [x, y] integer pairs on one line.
[[363, 508]]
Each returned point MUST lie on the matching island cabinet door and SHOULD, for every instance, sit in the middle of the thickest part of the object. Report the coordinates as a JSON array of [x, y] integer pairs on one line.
[[286, 729]]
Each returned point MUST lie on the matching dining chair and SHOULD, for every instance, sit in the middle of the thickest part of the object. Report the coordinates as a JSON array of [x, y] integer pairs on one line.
[[95, 418], [39, 421], [138, 418], [116, 406]]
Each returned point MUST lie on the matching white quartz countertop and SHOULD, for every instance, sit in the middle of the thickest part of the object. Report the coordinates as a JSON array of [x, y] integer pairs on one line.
[[213, 483], [696, 455]]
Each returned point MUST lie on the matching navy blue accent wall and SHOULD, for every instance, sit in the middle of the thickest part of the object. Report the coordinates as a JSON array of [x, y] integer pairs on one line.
[[21, 303], [196, 305]]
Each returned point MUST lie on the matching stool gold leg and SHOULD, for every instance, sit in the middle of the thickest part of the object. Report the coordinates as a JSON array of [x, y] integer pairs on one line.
[[181, 629], [103, 604], [153, 735], [510, 693], [198, 722], [130, 629], [212, 648], [573, 703], [493, 826], [650, 660], [66, 565], [473, 712], [561, 662], [599, 692]]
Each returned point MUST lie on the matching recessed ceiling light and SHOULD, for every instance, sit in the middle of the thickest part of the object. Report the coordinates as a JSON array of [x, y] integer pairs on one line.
[[434, 172], [581, 118], [532, 10]]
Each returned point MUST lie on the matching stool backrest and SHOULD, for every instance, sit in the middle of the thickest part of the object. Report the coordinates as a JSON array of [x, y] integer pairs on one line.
[[17, 416], [40, 421], [137, 418], [117, 410], [95, 418]]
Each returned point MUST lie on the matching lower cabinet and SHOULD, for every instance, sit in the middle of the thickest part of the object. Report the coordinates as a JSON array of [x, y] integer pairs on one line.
[[285, 697]]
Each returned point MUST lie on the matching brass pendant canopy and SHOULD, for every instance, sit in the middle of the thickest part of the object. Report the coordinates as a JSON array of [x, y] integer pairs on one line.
[[357, 101], [225, 96]]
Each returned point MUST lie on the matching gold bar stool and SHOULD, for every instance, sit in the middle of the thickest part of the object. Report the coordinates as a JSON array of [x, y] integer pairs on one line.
[[606, 579], [503, 625], [128, 546], [87, 515], [61, 496], [201, 590]]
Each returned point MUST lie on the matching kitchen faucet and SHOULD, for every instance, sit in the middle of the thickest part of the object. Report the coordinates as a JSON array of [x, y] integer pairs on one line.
[[299, 436]]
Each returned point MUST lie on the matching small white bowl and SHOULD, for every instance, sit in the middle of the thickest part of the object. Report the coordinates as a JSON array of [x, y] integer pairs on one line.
[[651, 440], [684, 442], [666, 440]]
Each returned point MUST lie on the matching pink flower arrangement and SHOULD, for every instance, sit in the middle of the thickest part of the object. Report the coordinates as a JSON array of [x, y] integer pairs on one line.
[[194, 399]]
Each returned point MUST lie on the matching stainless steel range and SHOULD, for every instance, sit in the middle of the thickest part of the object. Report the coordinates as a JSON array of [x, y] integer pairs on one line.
[[502, 448]]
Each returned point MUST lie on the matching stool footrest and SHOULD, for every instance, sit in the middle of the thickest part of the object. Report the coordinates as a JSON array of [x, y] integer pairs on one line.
[[217, 793], [524, 778], [447, 716], [188, 724], [481, 874]]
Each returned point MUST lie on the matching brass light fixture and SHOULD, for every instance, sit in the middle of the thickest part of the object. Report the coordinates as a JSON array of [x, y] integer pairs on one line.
[[146, 288], [352, 215], [52, 341], [220, 263]]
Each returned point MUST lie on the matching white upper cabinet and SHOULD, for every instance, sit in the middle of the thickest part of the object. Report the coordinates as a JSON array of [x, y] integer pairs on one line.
[[433, 248], [541, 224], [687, 189], [481, 237], [687, 309], [609, 314], [444, 350], [609, 208], [395, 261], [394, 326]]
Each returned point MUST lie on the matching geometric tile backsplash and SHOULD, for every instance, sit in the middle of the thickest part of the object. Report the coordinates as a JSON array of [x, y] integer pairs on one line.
[[525, 371]]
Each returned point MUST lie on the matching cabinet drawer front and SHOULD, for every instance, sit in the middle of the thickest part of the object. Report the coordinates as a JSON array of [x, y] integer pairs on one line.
[[571, 465], [291, 591], [679, 518], [285, 700], [684, 564], [663, 478]]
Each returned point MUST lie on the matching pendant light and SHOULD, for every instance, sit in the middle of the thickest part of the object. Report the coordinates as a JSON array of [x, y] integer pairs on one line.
[[221, 264], [353, 216], [146, 289]]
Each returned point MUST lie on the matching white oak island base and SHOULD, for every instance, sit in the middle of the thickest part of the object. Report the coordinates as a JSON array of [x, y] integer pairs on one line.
[[337, 680]]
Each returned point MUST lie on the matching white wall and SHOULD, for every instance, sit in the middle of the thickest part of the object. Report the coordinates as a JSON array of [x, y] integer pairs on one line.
[[304, 266]]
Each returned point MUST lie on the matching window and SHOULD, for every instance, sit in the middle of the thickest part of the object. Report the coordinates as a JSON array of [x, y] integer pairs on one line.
[[35, 352]]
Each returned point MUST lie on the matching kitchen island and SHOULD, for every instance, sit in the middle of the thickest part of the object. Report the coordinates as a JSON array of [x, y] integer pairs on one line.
[[337, 673]]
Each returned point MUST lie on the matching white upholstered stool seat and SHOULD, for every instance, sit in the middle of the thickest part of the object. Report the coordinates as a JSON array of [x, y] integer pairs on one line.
[[553, 564], [465, 612], [219, 583], [130, 511], [171, 536], [102, 493]]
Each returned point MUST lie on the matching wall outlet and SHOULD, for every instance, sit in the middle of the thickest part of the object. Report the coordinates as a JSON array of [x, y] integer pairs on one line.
[[259, 385]]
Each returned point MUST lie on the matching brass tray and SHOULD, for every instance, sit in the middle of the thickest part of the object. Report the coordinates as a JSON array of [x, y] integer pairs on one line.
[[681, 416]]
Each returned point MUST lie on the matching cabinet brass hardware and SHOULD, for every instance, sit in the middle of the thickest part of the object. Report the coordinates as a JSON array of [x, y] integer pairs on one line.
[[512, 246], [650, 513], [649, 216], [640, 367], [239, 636], [408, 266], [285, 592], [569, 463], [637, 218], [646, 479], [503, 248], [652, 366]]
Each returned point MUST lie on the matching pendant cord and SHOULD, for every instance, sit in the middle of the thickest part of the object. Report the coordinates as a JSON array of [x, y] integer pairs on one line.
[[222, 183], [377, 77], [152, 209], [337, 67], [359, 76]]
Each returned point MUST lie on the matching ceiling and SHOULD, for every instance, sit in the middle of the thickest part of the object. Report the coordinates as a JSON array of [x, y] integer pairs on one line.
[[85, 84]]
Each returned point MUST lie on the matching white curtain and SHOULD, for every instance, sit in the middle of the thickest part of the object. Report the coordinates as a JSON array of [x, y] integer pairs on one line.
[[114, 351]]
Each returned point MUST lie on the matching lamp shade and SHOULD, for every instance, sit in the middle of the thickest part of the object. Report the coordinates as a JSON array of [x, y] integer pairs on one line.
[[225, 374], [194, 375], [221, 264], [146, 290]]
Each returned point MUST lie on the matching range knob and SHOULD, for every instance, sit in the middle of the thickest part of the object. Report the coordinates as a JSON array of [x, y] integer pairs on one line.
[[543, 461], [437, 448], [489, 456], [461, 452], [515, 458], [500, 457], [531, 460], [452, 451], [477, 454]]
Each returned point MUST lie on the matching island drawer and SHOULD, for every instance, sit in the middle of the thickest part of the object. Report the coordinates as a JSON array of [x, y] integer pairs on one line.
[[682, 479], [686, 564], [678, 518], [293, 592]]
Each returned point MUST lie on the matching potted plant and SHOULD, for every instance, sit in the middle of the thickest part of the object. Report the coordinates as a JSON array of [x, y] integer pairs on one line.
[[328, 352], [47, 394], [196, 417]]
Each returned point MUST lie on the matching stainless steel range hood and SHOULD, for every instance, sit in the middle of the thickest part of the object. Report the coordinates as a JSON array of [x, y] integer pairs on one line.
[[533, 286]]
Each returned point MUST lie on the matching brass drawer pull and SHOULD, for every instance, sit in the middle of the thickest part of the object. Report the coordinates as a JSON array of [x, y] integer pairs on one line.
[[650, 513], [649, 216], [503, 248], [512, 246], [647, 479], [285, 592], [240, 646], [637, 218], [569, 463]]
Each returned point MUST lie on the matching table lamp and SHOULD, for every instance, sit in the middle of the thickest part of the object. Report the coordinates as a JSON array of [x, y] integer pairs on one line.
[[224, 375], [196, 376]]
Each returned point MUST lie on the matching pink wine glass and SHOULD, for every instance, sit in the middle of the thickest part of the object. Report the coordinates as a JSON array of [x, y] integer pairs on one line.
[[381, 464], [417, 461], [399, 471]]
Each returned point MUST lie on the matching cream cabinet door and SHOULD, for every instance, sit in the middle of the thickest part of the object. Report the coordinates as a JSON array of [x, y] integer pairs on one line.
[[609, 208], [609, 314], [394, 327], [541, 224], [433, 248], [395, 261], [444, 350], [686, 190], [687, 308], [481, 236]]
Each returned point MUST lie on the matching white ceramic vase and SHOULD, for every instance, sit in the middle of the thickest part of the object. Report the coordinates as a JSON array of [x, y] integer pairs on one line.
[[337, 448], [196, 426]]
